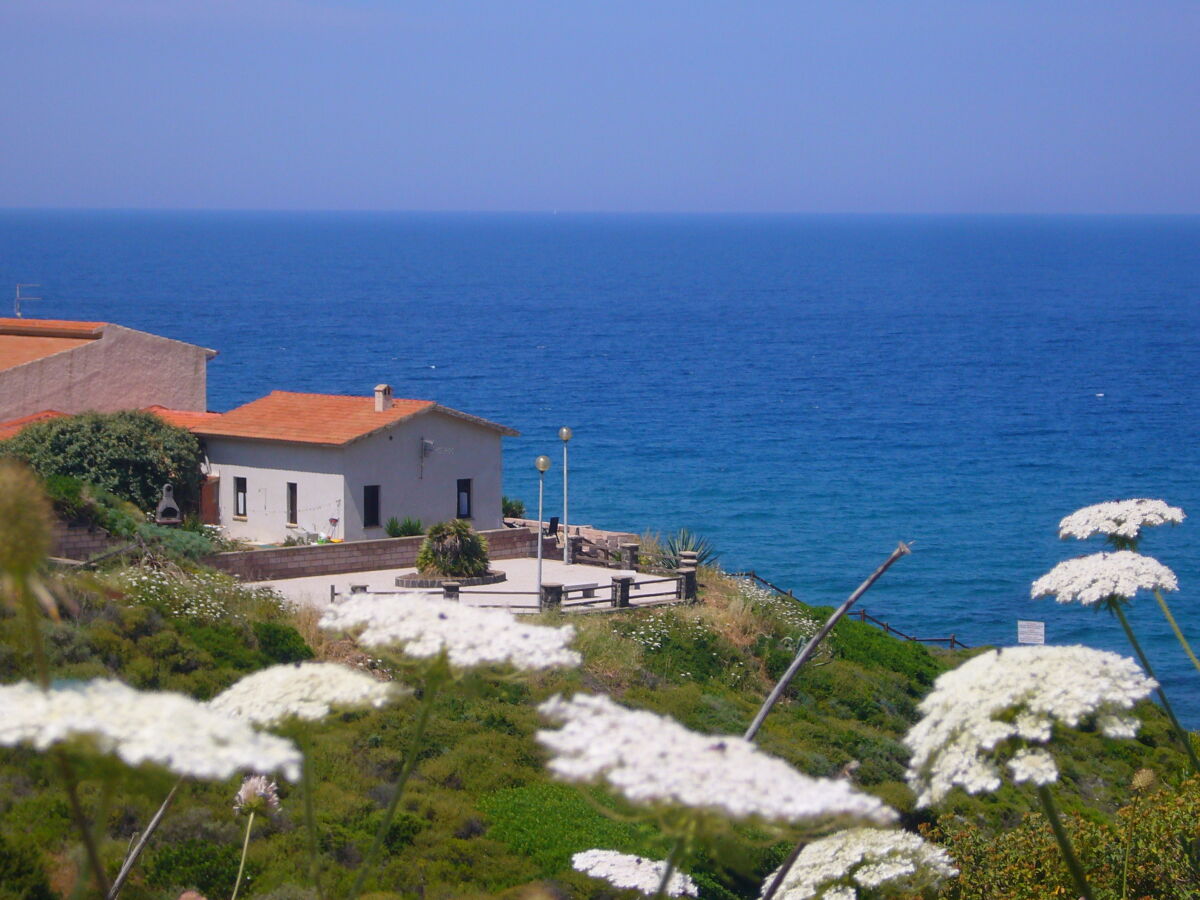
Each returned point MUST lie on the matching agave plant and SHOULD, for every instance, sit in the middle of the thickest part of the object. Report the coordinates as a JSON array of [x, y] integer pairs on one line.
[[686, 540]]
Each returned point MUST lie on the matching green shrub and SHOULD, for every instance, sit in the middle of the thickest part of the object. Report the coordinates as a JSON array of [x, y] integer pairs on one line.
[[550, 822], [453, 550], [131, 454], [281, 643], [410, 527], [512, 508], [201, 865], [21, 874]]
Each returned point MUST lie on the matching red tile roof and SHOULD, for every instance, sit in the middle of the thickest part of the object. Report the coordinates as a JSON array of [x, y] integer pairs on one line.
[[24, 340], [13, 426], [51, 327], [183, 418], [328, 419]]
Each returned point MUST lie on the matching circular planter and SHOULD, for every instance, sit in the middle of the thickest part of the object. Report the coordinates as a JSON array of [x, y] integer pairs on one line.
[[421, 581]]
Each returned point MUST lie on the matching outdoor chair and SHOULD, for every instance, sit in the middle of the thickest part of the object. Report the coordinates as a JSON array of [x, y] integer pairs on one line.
[[551, 528]]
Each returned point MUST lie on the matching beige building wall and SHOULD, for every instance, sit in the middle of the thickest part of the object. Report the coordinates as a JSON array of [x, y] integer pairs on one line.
[[123, 369]]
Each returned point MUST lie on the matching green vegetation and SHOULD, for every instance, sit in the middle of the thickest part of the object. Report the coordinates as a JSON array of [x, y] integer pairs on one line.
[[130, 454], [453, 550], [409, 527], [512, 508], [481, 817]]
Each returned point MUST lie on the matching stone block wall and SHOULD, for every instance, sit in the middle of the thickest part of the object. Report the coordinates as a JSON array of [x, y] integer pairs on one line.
[[359, 556], [80, 541]]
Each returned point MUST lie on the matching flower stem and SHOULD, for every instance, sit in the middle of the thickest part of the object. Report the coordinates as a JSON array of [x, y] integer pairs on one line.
[[1128, 847], [310, 825], [1141, 655], [242, 865], [1162, 604], [670, 867], [432, 683], [71, 783], [1064, 843]]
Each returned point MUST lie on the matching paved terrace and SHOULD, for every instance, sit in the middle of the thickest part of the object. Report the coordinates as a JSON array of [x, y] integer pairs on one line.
[[315, 590]]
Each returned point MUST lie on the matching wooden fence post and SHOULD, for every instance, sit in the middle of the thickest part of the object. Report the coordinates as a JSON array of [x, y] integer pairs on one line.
[[629, 557], [620, 590], [551, 596], [687, 584]]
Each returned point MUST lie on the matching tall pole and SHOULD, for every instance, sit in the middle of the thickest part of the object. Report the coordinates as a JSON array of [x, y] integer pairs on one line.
[[565, 435], [542, 463]]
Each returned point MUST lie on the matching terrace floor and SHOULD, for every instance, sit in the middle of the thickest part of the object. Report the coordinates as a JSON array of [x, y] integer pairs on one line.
[[315, 590]]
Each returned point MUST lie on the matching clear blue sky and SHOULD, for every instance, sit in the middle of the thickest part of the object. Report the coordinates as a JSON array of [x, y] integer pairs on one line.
[[838, 106]]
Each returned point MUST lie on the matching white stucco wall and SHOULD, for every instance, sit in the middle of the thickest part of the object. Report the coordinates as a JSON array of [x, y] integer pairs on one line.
[[123, 369], [424, 488], [330, 480], [267, 468]]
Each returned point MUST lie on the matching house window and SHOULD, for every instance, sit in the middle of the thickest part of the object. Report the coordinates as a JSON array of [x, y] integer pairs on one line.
[[371, 506], [291, 503], [464, 498], [239, 498]]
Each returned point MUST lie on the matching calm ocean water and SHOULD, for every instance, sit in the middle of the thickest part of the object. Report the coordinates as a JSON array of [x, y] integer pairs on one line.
[[805, 391]]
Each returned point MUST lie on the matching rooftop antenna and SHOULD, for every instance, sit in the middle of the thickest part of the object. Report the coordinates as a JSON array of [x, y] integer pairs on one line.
[[20, 297]]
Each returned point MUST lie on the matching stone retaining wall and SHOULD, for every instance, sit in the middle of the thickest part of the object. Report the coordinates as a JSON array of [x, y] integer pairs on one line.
[[80, 541], [359, 556]]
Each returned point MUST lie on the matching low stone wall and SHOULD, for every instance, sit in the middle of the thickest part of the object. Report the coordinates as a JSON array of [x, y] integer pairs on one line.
[[80, 541], [356, 556]]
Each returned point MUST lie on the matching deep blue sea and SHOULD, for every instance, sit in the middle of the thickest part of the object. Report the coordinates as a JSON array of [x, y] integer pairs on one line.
[[804, 391]]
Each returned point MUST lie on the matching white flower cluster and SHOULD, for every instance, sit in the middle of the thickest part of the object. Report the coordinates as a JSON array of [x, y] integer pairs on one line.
[[652, 759], [632, 872], [308, 691], [878, 861], [1119, 518], [781, 606], [1094, 579], [170, 730], [206, 596], [425, 626], [1016, 694]]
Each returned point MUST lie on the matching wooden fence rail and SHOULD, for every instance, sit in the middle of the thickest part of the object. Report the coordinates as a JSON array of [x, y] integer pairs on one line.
[[952, 642]]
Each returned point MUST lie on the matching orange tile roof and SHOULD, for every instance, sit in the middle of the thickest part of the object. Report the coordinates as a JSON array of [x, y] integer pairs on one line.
[[13, 427], [329, 419], [24, 340], [182, 418], [51, 327]]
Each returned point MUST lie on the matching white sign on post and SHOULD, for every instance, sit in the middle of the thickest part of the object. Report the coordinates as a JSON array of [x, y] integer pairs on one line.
[[1031, 632]]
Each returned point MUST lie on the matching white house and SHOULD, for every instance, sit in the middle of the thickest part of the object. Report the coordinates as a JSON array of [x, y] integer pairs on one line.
[[292, 463]]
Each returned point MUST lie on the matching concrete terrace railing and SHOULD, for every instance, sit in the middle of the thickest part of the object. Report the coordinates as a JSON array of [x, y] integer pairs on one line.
[[359, 556]]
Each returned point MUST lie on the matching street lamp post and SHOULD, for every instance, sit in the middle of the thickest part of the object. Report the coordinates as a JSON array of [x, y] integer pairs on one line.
[[565, 434], [542, 464]]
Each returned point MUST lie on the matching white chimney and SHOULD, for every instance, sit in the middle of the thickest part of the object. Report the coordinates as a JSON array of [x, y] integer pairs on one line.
[[383, 397]]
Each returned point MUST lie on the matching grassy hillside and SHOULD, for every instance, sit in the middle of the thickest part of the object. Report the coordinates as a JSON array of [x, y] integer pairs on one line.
[[482, 818]]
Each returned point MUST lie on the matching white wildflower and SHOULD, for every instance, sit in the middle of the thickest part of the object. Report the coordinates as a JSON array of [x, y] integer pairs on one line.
[[170, 730], [1119, 519], [876, 860], [304, 690], [425, 626], [258, 794], [1011, 697], [653, 759], [1097, 578], [1033, 765], [632, 872]]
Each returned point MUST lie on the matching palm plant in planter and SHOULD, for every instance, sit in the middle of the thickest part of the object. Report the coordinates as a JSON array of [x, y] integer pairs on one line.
[[453, 550]]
